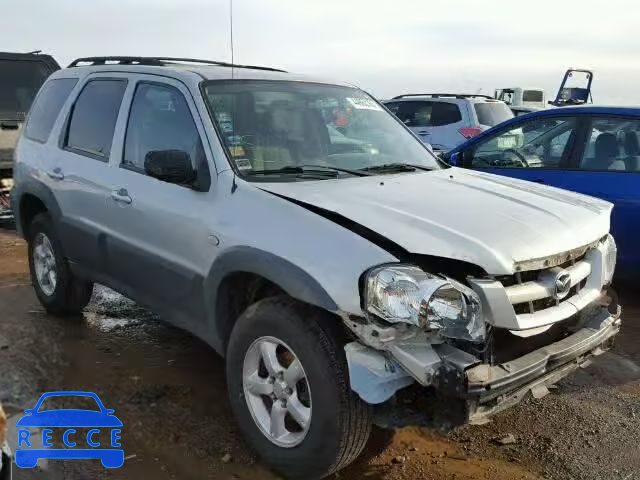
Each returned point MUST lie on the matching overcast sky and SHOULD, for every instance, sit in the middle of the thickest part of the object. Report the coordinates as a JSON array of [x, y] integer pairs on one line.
[[387, 47]]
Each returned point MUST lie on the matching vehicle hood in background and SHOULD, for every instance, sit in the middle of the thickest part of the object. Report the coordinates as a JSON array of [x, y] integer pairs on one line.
[[488, 220]]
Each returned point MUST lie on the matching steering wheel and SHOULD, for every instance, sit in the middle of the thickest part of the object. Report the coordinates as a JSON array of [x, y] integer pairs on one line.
[[521, 158]]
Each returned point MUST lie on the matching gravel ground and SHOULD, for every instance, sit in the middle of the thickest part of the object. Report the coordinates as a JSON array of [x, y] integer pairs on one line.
[[168, 389]]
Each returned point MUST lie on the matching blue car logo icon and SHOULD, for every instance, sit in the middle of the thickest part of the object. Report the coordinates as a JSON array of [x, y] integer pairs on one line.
[[28, 453]]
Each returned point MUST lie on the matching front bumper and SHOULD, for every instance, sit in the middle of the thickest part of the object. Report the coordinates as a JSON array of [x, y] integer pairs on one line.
[[490, 389], [458, 378]]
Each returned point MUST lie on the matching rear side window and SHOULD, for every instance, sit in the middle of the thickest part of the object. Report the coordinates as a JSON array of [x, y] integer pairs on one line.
[[532, 96], [47, 108], [444, 113], [93, 119], [492, 113], [426, 114]]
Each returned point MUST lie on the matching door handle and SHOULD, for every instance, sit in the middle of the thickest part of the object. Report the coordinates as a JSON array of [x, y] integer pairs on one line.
[[424, 133], [56, 174], [121, 195]]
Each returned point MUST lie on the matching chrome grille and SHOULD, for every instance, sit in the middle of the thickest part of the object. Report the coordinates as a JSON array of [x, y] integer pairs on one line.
[[534, 290]]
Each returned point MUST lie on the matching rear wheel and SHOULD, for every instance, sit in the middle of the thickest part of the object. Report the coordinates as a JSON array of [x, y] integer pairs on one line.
[[289, 390], [59, 291]]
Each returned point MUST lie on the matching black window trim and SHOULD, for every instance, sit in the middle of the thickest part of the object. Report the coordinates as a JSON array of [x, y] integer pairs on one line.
[[64, 134], [571, 155], [69, 96], [140, 171]]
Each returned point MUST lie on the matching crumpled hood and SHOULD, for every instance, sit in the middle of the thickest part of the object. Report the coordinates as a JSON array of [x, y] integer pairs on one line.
[[488, 220]]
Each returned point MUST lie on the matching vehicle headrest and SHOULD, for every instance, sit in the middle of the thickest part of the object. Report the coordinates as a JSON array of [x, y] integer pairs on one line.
[[631, 143], [606, 146]]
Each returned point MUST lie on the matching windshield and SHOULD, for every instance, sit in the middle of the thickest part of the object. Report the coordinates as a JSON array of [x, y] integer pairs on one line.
[[492, 113], [20, 80], [276, 126]]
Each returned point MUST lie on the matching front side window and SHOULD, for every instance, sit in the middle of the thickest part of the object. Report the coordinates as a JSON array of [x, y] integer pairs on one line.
[[613, 144], [538, 143], [268, 126], [532, 96], [93, 118], [47, 108], [160, 120]]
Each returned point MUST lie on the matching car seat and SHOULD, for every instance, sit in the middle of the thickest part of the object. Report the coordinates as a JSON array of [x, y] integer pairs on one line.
[[632, 151], [605, 153]]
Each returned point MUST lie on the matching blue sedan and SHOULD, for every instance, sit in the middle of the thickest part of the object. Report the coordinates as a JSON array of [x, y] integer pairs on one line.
[[590, 150]]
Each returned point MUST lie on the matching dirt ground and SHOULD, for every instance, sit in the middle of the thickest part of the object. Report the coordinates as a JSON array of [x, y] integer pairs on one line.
[[168, 389]]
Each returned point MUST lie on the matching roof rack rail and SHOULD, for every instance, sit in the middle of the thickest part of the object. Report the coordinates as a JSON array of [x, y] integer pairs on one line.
[[438, 95], [157, 61]]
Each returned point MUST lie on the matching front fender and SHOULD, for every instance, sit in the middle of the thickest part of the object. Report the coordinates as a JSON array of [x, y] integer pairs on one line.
[[289, 277]]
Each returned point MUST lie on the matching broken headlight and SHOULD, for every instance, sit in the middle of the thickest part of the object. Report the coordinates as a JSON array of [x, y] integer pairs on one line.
[[407, 294]]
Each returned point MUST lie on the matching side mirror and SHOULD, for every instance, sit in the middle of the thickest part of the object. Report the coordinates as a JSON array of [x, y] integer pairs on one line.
[[172, 166]]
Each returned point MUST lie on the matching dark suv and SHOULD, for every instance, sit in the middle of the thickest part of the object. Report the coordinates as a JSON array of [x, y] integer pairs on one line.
[[21, 76]]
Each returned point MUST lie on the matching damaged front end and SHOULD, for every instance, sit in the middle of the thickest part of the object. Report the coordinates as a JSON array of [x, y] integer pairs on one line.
[[486, 343]]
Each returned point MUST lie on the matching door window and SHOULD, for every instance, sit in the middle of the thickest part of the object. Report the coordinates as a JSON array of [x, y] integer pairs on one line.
[[538, 143], [426, 114], [492, 113], [47, 107], [612, 144], [94, 116], [160, 119]]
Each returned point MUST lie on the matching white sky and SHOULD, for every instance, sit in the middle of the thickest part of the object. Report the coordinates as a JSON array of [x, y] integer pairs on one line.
[[387, 47]]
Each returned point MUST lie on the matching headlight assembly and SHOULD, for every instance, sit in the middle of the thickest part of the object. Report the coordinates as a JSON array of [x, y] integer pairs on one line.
[[407, 294], [610, 255]]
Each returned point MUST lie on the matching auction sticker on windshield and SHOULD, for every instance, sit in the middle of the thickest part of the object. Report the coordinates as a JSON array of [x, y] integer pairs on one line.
[[90, 432], [364, 103]]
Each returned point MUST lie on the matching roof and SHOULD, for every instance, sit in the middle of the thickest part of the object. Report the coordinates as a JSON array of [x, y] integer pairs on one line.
[[449, 97], [584, 110], [205, 71], [31, 56]]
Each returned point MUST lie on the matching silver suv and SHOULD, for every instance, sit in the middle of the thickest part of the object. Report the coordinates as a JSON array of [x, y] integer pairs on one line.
[[445, 120], [304, 233]]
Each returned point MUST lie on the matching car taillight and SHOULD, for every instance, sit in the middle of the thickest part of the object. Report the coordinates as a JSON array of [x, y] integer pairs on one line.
[[469, 132]]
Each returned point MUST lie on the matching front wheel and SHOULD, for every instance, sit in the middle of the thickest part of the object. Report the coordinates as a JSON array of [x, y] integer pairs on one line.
[[289, 390]]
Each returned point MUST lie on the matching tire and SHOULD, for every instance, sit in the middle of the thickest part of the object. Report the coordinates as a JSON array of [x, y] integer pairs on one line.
[[70, 294], [340, 422]]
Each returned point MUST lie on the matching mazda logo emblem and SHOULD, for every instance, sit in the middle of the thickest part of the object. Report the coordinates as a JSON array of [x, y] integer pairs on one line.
[[562, 284]]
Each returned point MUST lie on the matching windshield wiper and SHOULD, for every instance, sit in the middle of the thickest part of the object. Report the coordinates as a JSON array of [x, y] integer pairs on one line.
[[313, 170], [358, 173], [395, 167]]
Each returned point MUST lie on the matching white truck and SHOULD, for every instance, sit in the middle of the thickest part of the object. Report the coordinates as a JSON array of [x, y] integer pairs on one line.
[[521, 99]]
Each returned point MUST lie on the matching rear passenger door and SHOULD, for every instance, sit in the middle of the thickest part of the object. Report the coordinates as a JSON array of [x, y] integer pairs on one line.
[[79, 170], [607, 166], [437, 123], [160, 246]]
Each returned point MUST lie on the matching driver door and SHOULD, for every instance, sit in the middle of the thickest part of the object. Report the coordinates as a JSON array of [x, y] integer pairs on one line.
[[539, 150]]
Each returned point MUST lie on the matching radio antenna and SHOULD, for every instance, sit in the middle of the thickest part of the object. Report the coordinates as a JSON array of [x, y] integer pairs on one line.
[[231, 31], [234, 185]]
